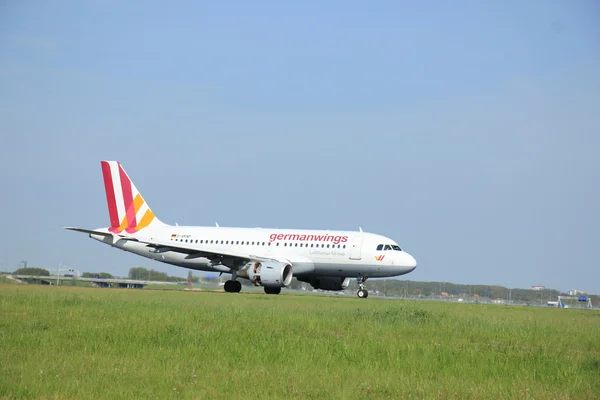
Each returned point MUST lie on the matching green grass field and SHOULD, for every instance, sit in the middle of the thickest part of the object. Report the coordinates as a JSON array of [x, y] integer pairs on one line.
[[73, 342]]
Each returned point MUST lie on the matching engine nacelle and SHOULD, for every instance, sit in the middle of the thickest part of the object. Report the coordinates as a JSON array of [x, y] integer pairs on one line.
[[328, 282], [270, 273]]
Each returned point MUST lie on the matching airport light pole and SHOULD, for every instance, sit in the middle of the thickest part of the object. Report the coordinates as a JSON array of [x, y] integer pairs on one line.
[[58, 275]]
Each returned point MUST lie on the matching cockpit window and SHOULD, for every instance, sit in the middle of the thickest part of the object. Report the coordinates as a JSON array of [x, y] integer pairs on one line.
[[394, 247]]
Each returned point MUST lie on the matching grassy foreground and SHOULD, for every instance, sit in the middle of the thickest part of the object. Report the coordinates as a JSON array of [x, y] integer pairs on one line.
[[72, 342]]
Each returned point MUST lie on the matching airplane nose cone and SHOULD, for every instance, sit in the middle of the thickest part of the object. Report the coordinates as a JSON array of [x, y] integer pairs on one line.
[[410, 262]]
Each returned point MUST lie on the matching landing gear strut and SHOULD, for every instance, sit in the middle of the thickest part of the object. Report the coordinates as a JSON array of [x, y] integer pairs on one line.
[[362, 292], [232, 286]]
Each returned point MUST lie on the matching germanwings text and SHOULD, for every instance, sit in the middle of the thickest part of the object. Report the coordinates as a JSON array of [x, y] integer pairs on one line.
[[311, 238]]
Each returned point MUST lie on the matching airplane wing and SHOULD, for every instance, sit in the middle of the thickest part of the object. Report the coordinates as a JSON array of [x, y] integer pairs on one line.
[[198, 251], [194, 251]]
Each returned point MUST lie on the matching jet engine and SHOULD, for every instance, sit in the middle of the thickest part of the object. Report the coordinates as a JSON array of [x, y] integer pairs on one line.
[[327, 282], [270, 274]]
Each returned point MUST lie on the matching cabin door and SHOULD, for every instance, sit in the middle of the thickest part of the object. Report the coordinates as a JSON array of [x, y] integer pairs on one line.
[[356, 247]]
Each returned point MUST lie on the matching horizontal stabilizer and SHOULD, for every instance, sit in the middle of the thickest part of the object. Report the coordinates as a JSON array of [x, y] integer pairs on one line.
[[115, 237], [91, 232]]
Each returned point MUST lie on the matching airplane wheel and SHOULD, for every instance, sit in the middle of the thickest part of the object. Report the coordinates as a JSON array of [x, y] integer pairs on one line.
[[362, 294], [271, 290], [232, 286]]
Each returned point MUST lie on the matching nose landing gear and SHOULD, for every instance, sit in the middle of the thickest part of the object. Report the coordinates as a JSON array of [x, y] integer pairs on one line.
[[362, 292]]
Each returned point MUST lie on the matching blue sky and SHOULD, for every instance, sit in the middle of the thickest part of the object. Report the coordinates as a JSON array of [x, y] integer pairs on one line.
[[466, 130]]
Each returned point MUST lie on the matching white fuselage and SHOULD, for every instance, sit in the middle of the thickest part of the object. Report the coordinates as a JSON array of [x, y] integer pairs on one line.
[[311, 253]]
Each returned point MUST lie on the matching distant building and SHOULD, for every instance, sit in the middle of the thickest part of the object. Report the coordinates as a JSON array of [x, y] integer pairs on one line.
[[538, 288], [23, 264], [576, 292]]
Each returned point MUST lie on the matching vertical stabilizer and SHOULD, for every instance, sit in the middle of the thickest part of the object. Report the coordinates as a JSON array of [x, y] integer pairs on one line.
[[126, 207]]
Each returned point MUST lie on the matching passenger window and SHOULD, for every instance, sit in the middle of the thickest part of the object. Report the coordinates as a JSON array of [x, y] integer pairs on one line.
[[380, 247], [285, 244], [295, 244], [277, 244], [327, 246], [344, 246]]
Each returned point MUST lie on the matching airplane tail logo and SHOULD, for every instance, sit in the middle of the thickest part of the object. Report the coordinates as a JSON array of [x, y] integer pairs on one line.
[[127, 209], [379, 258]]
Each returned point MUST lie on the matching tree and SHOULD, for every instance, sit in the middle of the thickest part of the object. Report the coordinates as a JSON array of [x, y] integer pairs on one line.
[[144, 274], [102, 275], [32, 271]]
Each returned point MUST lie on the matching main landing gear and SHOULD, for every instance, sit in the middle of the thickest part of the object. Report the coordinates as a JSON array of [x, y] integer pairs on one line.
[[362, 292], [232, 286]]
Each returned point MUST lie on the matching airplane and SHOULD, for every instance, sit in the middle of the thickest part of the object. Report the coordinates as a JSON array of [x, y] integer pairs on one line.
[[267, 257]]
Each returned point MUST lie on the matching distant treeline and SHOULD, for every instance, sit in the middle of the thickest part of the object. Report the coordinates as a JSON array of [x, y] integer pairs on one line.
[[144, 274], [402, 288], [102, 275], [32, 271]]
